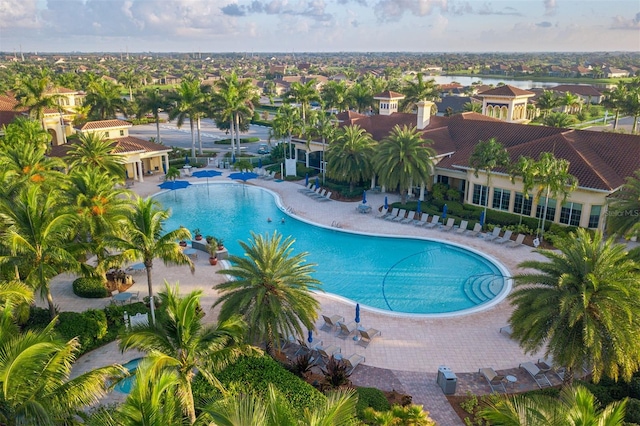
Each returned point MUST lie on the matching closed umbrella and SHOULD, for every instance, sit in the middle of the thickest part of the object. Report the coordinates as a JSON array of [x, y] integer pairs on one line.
[[306, 179], [357, 313], [444, 211], [364, 197], [482, 219], [186, 159], [310, 338], [164, 167], [419, 208], [259, 163], [233, 159], [317, 182], [386, 203]]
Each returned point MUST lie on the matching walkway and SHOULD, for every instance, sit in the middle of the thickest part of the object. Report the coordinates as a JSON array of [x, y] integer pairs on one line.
[[407, 355]]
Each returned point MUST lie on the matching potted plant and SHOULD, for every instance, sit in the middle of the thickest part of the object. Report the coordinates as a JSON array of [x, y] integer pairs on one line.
[[219, 243], [213, 260], [182, 243], [209, 239], [198, 234]]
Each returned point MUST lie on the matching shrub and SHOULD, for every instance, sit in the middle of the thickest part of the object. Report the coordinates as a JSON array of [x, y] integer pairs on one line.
[[302, 365], [335, 373], [90, 327], [91, 288], [371, 397], [38, 318], [633, 411]]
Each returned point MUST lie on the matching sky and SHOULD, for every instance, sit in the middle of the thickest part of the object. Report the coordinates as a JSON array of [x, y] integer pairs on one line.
[[319, 25]]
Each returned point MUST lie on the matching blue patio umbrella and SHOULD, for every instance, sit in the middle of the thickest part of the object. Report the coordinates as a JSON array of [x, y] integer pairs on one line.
[[419, 208], [206, 174], [364, 197], [357, 313], [174, 184], [444, 211], [310, 338], [259, 163], [186, 159], [306, 179], [243, 176], [386, 203], [233, 159], [482, 218], [317, 182]]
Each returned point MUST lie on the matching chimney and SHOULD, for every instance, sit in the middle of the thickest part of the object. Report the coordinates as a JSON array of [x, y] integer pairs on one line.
[[424, 114]]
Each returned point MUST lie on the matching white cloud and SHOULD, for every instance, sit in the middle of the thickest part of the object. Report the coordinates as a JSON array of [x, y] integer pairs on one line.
[[392, 10], [550, 7], [18, 14], [622, 23]]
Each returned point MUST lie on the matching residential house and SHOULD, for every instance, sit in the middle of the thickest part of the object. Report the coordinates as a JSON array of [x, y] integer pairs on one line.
[[587, 92]]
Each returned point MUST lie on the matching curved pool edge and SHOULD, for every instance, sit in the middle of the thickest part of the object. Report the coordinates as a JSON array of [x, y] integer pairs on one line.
[[504, 271]]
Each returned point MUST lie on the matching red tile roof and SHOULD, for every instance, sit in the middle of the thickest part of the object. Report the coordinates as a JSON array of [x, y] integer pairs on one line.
[[388, 94], [104, 124], [126, 145], [578, 89], [506, 90]]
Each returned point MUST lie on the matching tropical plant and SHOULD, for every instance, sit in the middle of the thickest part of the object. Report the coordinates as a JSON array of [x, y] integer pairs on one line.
[[616, 99], [578, 307], [624, 208], [324, 126], [303, 94], [547, 102], [286, 122], [403, 158], [416, 91], [182, 344], [130, 79], [172, 174], [272, 290], [350, 154], [104, 99], [559, 119], [93, 151], [472, 107], [35, 94], [144, 238], [360, 97], [187, 102], [334, 94], [487, 156], [153, 101], [411, 415]]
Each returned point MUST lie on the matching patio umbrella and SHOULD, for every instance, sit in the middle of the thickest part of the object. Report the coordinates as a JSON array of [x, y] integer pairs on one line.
[[206, 174], [444, 211], [482, 218], [317, 182], [233, 159], [364, 197], [243, 176], [164, 167], [172, 185], [419, 208], [386, 203], [259, 163], [306, 179], [357, 313], [186, 159], [310, 338]]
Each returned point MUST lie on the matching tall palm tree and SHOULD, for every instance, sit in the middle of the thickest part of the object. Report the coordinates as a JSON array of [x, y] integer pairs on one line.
[[272, 290], [571, 102], [615, 99], [487, 156], [188, 98], [350, 154], [182, 344], [93, 151], [23, 131], [579, 306], [334, 94], [360, 97], [624, 208], [38, 235], [324, 126], [303, 94], [104, 99], [286, 122], [153, 101], [576, 406], [130, 79], [144, 238], [549, 176], [34, 379], [416, 91], [35, 95], [632, 102], [472, 107], [403, 158]]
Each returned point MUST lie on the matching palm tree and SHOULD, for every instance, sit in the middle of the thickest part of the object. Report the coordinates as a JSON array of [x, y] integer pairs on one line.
[[35, 95], [615, 99], [334, 94], [360, 96], [104, 99], [183, 345], [34, 378], [632, 101], [38, 235], [549, 176], [472, 107], [322, 125], [130, 79], [285, 123], [571, 102], [403, 158], [579, 306], [23, 131], [153, 101], [272, 290], [416, 91], [187, 98], [559, 119], [93, 151], [303, 94], [576, 406], [624, 208], [350, 154], [145, 239], [547, 101], [487, 156]]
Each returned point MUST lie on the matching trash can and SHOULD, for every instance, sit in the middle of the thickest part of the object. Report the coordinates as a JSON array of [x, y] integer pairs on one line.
[[447, 380]]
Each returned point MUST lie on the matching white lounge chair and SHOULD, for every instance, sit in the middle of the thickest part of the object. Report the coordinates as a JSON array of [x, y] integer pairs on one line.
[[475, 231], [328, 352], [366, 336], [327, 196], [540, 378], [331, 322], [505, 238], [352, 362], [449, 226], [435, 220], [393, 213], [400, 216], [546, 364], [495, 234], [346, 329], [410, 217], [308, 188], [422, 221], [463, 227], [308, 347], [495, 380], [517, 242]]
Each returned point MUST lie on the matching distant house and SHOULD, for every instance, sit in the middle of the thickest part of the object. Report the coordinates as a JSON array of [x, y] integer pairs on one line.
[[615, 73], [587, 92]]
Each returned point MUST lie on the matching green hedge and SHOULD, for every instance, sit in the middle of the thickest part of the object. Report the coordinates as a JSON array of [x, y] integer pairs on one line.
[[91, 288], [90, 327], [371, 397], [255, 374]]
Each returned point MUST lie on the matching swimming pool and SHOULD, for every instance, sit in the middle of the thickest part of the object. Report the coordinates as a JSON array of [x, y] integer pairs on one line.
[[392, 274], [124, 385]]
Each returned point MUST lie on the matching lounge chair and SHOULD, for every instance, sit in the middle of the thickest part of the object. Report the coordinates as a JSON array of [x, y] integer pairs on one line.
[[475, 231], [517, 242], [400, 216], [346, 329], [383, 213], [320, 195], [394, 212], [331, 322], [449, 226], [352, 362], [506, 330], [463, 227], [308, 188], [495, 380], [546, 364], [422, 221], [495, 234], [315, 192], [505, 238], [435, 220], [366, 336], [308, 347], [410, 217], [540, 378], [328, 352], [327, 196], [286, 342]]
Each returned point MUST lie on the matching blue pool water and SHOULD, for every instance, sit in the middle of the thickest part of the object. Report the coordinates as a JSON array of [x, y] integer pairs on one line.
[[404, 275], [124, 386]]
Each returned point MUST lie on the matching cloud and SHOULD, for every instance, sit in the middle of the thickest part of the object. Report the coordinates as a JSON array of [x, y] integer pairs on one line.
[[487, 9], [620, 23], [314, 9], [18, 14], [550, 7], [544, 24], [392, 10], [233, 10]]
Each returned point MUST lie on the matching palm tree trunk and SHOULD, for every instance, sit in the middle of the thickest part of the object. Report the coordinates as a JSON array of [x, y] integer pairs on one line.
[[486, 198], [231, 134], [191, 408], [567, 380], [150, 286], [130, 94], [158, 130], [237, 119], [193, 138], [52, 308], [544, 213], [635, 124], [615, 120], [199, 137]]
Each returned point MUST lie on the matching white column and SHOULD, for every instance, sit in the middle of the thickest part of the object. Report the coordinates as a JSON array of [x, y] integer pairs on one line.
[[166, 161], [383, 189], [139, 171], [306, 158], [422, 191], [373, 182]]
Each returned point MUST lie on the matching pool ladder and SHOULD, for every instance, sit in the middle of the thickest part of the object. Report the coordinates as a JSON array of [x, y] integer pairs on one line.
[[336, 224]]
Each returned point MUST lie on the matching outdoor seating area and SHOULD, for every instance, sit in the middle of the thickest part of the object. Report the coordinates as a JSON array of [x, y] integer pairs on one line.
[[537, 375], [495, 380]]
